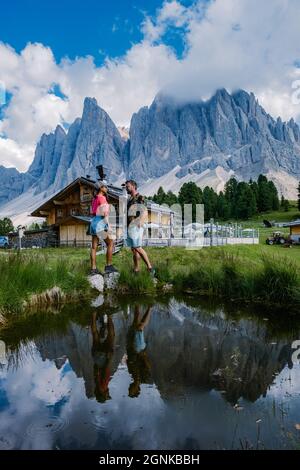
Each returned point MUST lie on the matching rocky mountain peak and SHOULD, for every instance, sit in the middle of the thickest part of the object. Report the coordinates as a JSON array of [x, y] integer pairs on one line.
[[169, 141]]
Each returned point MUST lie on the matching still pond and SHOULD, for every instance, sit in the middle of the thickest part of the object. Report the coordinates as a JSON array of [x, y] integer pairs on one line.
[[130, 374]]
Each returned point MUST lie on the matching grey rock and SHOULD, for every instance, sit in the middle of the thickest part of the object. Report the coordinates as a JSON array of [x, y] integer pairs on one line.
[[46, 160], [111, 280], [67, 155], [13, 183], [97, 282], [231, 131], [98, 142]]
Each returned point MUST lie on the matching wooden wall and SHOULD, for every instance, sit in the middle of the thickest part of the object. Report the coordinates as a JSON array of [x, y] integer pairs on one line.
[[295, 230], [69, 233]]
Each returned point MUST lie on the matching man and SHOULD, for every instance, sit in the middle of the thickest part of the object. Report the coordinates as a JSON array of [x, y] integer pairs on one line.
[[137, 215], [99, 229], [138, 363]]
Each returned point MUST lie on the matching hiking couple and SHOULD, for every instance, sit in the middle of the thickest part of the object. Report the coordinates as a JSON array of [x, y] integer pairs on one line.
[[100, 230]]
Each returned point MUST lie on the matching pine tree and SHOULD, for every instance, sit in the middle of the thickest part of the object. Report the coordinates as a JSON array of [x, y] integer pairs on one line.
[[6, 226], [171, 198], [284, 204], [159, 198], [230, 194], [190, 193], [273, 195], [223, 209], [210, 201], [299, 196], [245, 202], [254, 188], [265, 196]]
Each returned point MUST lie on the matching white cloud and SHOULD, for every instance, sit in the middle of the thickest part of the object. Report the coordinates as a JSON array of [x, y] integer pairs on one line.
[[234, 44], [14, 155], [171, 14], [243, 44]]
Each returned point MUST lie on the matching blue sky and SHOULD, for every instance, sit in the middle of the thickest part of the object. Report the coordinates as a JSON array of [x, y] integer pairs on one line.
[[54, 54], [78, 28]]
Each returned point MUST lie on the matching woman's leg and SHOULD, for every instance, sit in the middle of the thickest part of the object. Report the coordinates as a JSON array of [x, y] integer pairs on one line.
[[109, 252], [142, 253], [94, 251]]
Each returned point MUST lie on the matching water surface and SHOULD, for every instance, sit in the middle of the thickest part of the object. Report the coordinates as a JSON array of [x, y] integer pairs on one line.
[[136, 375]]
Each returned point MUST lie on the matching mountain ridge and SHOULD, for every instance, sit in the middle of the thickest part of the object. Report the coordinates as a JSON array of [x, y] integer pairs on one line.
[[206, 142]]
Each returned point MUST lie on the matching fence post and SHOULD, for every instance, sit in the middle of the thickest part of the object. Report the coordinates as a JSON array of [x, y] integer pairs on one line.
[[211, 232]]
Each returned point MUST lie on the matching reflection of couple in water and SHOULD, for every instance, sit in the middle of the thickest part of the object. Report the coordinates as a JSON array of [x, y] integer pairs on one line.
[[137, 359], [138, 364], [102, 351]]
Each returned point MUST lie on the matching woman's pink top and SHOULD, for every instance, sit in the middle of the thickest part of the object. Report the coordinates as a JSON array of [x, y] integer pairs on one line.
[[100, 205]]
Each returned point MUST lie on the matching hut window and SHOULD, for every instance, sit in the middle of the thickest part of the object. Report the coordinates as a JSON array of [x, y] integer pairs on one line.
[[60, 213], [86, 196], [86, 210]]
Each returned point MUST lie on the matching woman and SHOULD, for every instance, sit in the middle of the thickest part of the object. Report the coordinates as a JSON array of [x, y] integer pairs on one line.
[[99, 229], [102, 352]]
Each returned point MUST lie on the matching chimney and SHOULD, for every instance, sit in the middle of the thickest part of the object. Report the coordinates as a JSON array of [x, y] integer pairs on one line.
[[101, 173]]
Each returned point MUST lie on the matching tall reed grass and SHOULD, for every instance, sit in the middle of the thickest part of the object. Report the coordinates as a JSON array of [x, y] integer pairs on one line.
[[269, 280], [22, 275]]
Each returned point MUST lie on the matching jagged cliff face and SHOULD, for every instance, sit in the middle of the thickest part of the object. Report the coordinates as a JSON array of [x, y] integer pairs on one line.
[[94, 140], [168, 144], [61, 157], [229, 131], [13, 183], [47, 158]]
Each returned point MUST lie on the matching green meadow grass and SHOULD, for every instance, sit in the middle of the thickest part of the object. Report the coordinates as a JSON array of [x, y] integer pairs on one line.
[[252, 273], [24, 274]]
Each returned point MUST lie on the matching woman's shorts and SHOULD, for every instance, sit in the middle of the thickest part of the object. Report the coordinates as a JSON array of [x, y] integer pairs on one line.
[[98, 227]]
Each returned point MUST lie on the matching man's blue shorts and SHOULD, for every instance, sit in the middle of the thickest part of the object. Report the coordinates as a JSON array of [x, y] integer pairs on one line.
[[134, 236]]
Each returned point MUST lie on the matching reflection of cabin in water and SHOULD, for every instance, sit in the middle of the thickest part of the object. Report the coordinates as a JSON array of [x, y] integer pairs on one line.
[[68, 213]]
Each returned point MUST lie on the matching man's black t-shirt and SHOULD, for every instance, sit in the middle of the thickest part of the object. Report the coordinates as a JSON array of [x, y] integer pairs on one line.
[[135, 207]]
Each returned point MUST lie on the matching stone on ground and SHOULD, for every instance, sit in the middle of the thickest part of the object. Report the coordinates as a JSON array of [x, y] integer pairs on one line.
[[111, 280], [97, 282]]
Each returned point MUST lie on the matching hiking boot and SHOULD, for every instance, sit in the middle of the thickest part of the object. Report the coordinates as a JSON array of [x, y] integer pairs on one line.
[[152, 272], [93, 272], [111, 269]]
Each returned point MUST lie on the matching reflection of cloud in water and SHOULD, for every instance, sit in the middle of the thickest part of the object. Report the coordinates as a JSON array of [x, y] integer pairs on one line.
[[45, 402], [33, 390]]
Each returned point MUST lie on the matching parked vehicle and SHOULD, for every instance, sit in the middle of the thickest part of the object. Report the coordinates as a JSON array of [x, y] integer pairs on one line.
[[277, 238], [268, 224], [4, 243]]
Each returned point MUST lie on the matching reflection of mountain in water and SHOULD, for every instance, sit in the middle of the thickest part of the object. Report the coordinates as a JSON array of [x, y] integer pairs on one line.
[[193, 349], [188, 348]]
